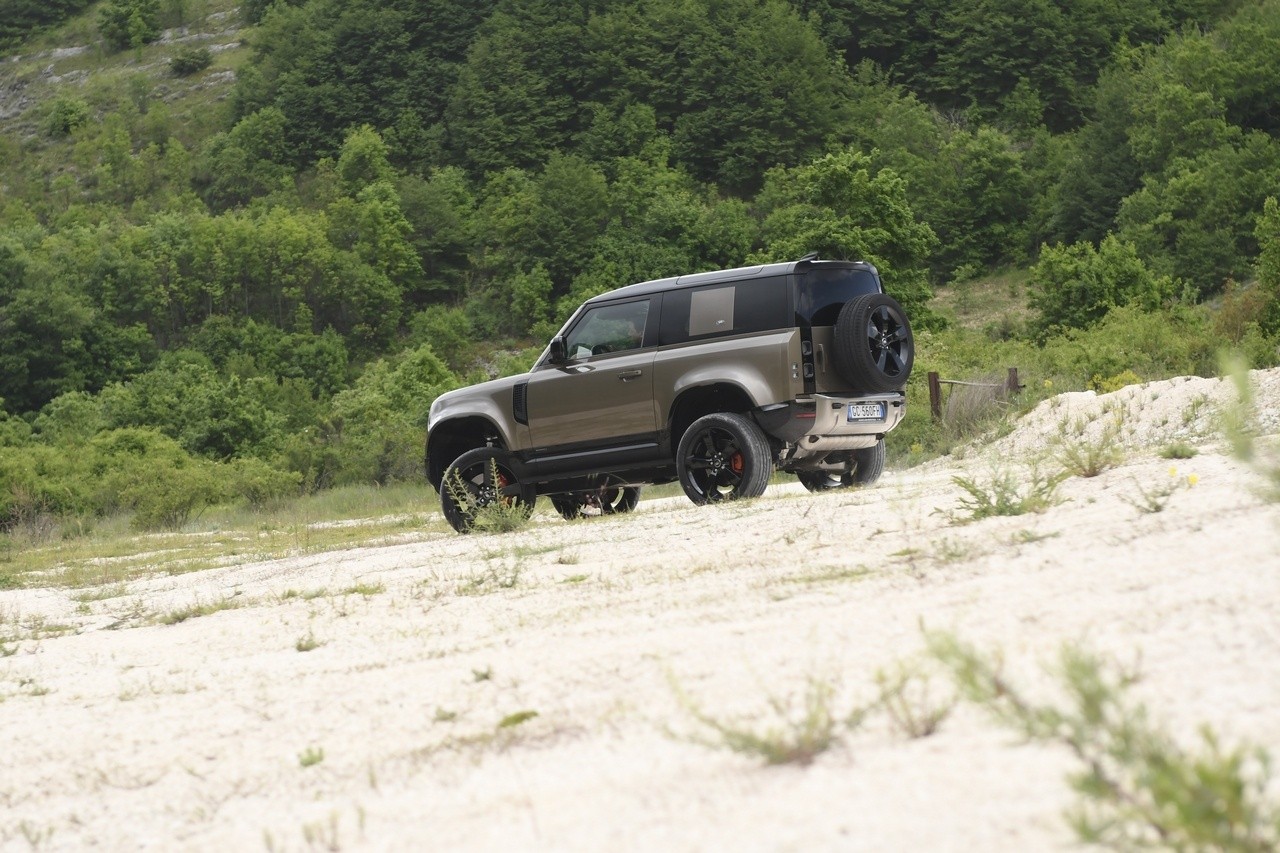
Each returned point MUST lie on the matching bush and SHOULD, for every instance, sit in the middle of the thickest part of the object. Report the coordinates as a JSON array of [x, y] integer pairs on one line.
[[66, 113], [190, 60], [1075, 286], [166, 498], [261, 485]]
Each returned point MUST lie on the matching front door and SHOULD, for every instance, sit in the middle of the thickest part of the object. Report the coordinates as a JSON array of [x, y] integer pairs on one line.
[[603, 393]]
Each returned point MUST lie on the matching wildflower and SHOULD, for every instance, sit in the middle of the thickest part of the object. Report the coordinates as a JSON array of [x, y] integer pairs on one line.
[[1192, 479]]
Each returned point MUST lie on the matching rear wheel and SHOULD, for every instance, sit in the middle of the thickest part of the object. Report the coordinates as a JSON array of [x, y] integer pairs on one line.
[[724, 456], [873, 344], [483, 486], [606, 501], [863, 468]]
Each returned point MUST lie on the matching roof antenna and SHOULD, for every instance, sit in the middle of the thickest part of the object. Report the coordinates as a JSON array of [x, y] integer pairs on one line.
[[812, 256]]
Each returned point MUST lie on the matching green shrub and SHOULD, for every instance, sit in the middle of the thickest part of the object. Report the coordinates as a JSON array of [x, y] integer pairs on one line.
[[1139, 788], [1075, 286], [262, 485], [190, 60], [66, 113], [166, 498]]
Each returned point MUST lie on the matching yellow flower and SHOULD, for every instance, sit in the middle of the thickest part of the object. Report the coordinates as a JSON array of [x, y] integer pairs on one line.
[[1048, 383], [1173, 471], [1192, 479]]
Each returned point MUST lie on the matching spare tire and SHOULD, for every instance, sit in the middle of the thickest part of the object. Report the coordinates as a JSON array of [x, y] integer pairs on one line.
[[873, 343]]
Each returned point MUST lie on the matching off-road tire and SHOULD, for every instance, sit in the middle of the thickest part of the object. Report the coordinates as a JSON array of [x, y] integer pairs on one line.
[[864, 468], [874, 349], [468, 486], [610, 501], [723, 456]]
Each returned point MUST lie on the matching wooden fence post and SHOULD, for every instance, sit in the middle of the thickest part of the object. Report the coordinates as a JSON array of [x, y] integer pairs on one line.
[[935, 396], [1011, 384]]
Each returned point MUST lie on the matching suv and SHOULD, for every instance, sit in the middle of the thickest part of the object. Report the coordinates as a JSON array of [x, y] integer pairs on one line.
[[715, 379]]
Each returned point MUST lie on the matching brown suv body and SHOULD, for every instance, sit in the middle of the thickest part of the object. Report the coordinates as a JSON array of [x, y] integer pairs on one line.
[[613, 394]]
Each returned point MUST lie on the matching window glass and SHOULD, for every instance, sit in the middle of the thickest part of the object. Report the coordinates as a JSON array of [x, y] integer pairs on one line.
[[821, 293], [751, 305], [608, 328], [711, 311]]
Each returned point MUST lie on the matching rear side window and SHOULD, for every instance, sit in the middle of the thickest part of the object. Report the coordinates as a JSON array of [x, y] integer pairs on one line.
[[821, 293], [736, 308]]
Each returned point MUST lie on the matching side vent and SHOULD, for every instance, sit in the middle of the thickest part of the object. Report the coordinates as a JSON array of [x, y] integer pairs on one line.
[[520, 403]]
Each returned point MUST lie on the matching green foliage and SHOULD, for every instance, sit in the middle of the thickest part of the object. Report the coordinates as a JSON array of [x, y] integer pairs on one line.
[[375, 429], [209, 414], [129, 23], [22, 17], [1267, 267], [190, 60], [1006, 492], [1139, 788], [334, 64], [1075, 286], [263, 486], [66, 113], [838, 208]]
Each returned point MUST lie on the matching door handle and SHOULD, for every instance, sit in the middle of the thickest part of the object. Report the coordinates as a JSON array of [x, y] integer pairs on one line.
[[822, 359], [628, 375]]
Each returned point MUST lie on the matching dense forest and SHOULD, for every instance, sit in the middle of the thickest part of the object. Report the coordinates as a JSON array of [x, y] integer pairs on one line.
[[242, 247]]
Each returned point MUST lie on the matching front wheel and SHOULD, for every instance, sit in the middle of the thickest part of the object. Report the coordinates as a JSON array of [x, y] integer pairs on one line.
[[863, 468], [724, 456], [606, 501], [481, 489]]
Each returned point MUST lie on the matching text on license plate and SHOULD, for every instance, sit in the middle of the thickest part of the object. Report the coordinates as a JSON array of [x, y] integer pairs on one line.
[[866, 412]]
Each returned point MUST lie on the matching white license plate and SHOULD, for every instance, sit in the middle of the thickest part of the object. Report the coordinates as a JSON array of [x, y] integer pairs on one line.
[[865, 412]]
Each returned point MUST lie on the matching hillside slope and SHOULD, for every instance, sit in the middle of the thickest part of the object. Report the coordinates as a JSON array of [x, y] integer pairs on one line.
[[543, 690]]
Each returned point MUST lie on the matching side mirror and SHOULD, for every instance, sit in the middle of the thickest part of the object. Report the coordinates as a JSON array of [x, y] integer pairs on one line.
[[557, 354]]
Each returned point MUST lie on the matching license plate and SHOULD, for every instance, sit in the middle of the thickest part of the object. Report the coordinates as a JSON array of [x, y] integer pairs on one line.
[[865, 412]]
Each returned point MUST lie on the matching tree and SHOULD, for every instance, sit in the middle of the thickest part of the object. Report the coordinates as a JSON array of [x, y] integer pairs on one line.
[[837, 207], [330, 65], [1267, 266], [1075, 286], [129, 23]]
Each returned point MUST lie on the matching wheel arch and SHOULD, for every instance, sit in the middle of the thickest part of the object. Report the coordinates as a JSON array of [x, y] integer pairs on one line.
[[692, 403], [450, 439]]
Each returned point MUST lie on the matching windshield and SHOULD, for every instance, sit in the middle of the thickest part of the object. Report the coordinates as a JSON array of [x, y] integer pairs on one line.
[[821, 293]]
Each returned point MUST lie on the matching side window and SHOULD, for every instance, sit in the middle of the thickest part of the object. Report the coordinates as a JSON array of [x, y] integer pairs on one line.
[[608, 328], [740, 307], [711, 311]]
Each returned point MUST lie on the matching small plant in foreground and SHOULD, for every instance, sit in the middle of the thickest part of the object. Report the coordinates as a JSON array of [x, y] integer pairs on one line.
[[797, 736], [904, 696], [1139, 789], [311, 756], [1178, 450], [173, 617], [1090, 457], [488, 514], [1006, 493], [1157, 497], [1239, 428], [307, 642]]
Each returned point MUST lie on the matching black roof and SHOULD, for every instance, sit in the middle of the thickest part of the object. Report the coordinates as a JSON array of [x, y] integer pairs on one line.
[[660, 285]]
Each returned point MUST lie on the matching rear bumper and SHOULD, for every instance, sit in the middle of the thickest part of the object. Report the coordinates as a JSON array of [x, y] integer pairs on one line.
[[826, 422]]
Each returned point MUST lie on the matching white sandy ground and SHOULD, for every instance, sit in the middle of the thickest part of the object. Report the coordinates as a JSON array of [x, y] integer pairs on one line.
[[192, 736]]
